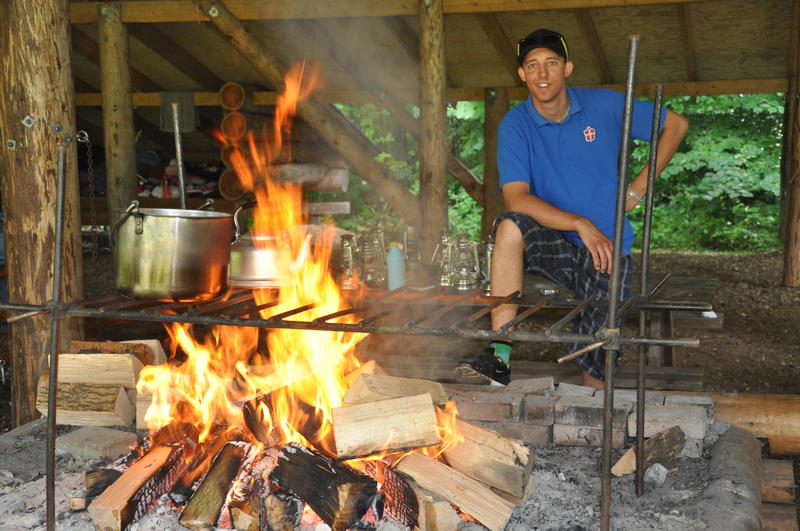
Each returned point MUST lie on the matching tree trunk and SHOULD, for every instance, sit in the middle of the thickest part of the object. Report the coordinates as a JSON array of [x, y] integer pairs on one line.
[[433, 124], [36, 113], [495, 104], [120, 146]]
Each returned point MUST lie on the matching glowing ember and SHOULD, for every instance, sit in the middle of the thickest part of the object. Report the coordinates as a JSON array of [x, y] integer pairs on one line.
[[303, 371]]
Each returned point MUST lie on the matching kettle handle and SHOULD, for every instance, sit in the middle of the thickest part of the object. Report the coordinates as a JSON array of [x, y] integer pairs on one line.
[[244, 206], [132, 210]]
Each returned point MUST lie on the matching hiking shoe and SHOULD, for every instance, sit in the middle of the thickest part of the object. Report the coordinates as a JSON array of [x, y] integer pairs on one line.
[[487, 369]]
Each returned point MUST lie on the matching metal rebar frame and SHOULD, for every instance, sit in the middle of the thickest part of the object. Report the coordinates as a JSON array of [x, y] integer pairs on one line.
[[239, 308]]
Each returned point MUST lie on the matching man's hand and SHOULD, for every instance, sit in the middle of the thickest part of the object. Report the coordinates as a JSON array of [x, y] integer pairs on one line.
[[598, 245]]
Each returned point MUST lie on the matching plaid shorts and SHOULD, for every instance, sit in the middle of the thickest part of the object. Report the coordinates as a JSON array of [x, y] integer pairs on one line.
[[548, 254]]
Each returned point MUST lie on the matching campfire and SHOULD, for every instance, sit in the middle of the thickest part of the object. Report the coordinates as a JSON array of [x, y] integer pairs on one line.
[[254, 434]]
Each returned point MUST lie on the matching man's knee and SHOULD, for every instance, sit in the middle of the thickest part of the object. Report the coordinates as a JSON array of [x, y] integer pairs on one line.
[[508, 235]]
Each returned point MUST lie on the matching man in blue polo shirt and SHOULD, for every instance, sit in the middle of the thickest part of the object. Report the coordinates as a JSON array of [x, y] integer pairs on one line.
[[557, 157]]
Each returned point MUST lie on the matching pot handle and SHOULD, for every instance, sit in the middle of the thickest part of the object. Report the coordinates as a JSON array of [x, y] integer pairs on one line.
[[244, 206], [132, 210], [208, 204]]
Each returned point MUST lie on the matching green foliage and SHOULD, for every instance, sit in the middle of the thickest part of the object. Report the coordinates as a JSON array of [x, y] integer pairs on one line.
[[720, 192]]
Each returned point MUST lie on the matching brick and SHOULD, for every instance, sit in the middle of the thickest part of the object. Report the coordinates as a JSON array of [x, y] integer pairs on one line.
[[539, 410], [567, 389], [692, 420], [527, 433], [585, 436], [538, 386], [651, 398], [693, 448], [491, 406], [588, 411], [95, 442], [692, 400]]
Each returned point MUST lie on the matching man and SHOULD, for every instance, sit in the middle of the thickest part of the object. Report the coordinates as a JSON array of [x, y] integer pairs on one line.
[[558, 161]]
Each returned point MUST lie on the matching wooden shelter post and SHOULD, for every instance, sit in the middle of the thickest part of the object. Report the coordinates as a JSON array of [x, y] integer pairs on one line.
[[433, 123], [36, 114], [115, 79], [495, 106], [791, 184]]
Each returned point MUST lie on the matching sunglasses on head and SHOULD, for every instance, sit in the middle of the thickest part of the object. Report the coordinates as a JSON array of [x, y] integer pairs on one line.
[[535, 42]]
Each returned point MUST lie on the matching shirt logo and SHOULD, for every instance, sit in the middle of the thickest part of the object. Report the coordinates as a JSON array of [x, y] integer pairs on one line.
[[589, 134]]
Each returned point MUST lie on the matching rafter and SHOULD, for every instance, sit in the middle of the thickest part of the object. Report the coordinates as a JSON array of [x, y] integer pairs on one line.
[[691, 88], [584, 17], [152, 37], [506, 52], [688, 37], [186, 11], [87, 47]]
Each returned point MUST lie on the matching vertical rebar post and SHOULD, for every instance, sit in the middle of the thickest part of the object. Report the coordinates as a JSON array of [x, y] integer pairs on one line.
[[614, 288], [176, 124], [648, 222], [55, 325]]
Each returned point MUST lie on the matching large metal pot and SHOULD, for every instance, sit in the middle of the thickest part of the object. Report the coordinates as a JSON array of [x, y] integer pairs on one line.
[[172, 254], [255, 258]]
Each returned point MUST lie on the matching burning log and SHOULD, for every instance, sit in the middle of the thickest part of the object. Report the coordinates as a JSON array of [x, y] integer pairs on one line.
[[386, 425], [372, 387], [662, 448], [489, 457], [128, 497], [281, 511], [199, 464], [368, 367], [264, 431], [88, 404], [337, 493], [203, 509], [401, 501], [96, 481], [470, 496]]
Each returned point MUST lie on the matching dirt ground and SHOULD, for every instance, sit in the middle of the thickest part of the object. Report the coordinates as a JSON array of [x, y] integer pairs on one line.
[[757, 351]]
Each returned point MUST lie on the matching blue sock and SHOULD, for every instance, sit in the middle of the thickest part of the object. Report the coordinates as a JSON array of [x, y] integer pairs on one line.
[[502, 350]]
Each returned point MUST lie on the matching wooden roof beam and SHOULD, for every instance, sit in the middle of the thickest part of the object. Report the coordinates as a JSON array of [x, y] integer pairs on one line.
[[691, 88], [82, 12], [584, 17], [505, 50], [688, 37], [152, 37], [87, 47]]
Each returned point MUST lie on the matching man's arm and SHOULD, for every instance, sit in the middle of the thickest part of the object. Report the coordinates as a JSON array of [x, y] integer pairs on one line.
[[518, 198], [675, 127]]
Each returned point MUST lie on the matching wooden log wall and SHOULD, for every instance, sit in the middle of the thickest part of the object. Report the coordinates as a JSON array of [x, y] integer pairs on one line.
[[495, 106], [36, 114], [118, 130], [433, 124]]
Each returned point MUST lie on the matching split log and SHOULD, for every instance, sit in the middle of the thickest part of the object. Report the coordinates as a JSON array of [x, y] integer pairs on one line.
[[281, 511], [663, 448], [144, 352], [199, 462], [337, 493], [470, 496], [372, 387], [246, 516], [401, 500], [128, 498], [368, 367], [777, 481], [88, 404], [492, 459], [76, 504], [387, 425], [307, 423], [97, 481], [204, 507], [110, 369]]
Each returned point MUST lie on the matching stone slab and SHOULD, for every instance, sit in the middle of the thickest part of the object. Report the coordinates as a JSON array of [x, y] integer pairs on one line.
[[651, 398], [490, 406], [693, 420], [539, 410], [585, 436], [588, 411], [539, 386], [527, 433], [693, 448], [568, 389], [95, 442]]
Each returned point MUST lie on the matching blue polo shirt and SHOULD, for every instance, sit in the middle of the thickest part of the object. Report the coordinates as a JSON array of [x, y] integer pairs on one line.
[[573, 165]]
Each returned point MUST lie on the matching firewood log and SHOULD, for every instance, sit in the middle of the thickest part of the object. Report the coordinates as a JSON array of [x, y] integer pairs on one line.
[[337, 493], [129, 496], [281, 511], [386, 425], [88, 404], [372, 387]]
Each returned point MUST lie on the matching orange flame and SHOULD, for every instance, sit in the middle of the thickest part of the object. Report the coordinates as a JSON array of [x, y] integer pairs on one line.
[[303, 371]]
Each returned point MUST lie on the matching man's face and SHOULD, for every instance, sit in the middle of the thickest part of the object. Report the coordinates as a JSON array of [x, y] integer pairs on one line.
[[544, 72]]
